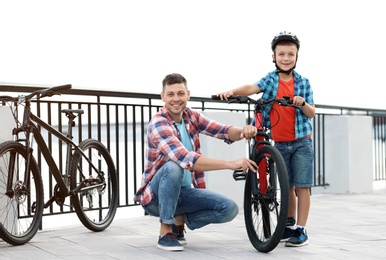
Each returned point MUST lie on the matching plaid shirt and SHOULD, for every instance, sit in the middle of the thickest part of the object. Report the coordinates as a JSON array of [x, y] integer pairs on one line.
[[163, 145], [269, 85]]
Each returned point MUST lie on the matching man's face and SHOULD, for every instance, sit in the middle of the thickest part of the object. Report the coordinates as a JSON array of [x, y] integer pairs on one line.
[[175, 97]]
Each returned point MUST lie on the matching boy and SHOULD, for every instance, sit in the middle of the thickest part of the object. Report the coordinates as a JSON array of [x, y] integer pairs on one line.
[[292, 129]]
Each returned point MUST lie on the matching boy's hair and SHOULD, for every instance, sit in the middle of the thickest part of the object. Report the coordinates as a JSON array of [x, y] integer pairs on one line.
[[284, 43], [173, 79]]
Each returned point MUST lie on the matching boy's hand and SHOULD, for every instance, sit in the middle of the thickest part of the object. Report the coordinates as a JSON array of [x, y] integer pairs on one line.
[[225, 95], [298, 101]]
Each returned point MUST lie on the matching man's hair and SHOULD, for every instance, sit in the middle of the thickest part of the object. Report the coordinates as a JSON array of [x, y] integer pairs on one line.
[[173, 79]]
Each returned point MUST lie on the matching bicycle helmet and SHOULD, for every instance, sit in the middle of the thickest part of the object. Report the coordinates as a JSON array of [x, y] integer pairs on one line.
[[285, 36]]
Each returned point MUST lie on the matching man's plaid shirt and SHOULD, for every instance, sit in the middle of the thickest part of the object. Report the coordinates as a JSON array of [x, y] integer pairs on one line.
[[163, 144]]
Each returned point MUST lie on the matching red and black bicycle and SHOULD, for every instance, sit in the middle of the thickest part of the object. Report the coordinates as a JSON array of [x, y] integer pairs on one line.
[[266, 192]]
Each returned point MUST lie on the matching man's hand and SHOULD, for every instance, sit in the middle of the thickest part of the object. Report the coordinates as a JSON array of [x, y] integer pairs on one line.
[[248, 132], [243, 163]]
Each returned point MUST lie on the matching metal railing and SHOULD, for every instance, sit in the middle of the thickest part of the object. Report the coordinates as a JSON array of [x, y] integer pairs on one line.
[[119, 120]]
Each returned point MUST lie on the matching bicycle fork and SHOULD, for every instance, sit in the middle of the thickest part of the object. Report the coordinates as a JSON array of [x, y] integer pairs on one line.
[[261, 139]]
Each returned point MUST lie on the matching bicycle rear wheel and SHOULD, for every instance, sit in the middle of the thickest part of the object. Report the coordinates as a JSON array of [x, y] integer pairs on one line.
[[95, 182], [21, 195], [266, 214]]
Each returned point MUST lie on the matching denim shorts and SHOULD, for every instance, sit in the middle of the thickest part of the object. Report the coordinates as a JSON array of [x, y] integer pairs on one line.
[[299, 159]]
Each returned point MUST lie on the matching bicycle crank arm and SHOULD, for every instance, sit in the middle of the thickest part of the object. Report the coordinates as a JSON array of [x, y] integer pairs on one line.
[[91, 187], [238, 175]]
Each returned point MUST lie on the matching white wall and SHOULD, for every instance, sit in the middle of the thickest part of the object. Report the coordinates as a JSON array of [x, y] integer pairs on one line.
[[349, 154], [222, 181]]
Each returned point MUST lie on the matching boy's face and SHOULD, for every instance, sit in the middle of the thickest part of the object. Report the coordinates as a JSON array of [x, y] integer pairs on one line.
[[285, 56], [175, 97]]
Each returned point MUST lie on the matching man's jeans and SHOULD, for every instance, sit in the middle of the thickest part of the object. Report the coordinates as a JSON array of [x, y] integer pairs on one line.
[[199, 207]]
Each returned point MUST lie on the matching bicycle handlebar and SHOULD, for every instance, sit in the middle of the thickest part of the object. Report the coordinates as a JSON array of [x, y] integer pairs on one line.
[[285, 101], [47, 92]]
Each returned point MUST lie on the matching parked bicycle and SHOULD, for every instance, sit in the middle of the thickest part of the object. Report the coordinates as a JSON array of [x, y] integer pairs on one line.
[[89, 179], [266, 192]]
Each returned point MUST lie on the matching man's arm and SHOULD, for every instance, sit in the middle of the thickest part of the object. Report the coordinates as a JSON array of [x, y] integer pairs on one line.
[[204, 163], [237, 133]]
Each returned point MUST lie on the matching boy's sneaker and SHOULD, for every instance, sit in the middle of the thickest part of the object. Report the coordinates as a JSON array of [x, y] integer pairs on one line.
[[288, 232], [299, 238], [179, 232], [169, 242]]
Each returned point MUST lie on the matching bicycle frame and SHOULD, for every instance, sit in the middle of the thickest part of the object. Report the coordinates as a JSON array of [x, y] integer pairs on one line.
[[29, 127], [261, 139]]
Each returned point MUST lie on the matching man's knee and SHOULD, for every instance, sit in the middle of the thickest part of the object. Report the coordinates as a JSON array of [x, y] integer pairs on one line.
[[172, 171], [232, 211]]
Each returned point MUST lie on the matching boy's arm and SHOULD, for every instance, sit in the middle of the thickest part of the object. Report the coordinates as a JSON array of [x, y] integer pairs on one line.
[[245, 90], [309, 110]]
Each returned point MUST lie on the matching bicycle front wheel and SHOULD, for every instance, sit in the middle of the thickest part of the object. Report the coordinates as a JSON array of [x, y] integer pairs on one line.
[[266, 200], [94, 180], [21, 194]]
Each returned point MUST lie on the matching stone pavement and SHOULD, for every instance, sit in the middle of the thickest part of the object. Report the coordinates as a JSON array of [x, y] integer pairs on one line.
[[351, 226]]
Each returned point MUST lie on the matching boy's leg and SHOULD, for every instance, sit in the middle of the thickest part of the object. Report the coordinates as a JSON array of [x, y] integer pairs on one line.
[[304, 202], [302, 168], [292, 203]]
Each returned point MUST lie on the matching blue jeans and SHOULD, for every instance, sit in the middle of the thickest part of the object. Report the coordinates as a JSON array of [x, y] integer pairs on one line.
[[299, 159], [199, 207]]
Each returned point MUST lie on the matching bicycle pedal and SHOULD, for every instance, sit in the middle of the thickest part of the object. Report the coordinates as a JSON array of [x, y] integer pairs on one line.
[[238, 175]]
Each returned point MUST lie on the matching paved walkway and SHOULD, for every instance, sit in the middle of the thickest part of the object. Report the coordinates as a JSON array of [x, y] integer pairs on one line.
[[339, 227]]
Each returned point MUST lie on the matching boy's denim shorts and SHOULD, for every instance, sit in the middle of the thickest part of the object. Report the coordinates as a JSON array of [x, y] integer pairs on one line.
[[299, 159]]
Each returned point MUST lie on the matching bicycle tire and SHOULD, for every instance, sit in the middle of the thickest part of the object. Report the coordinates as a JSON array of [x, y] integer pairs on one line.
[[95, 208], [265, 215], [21, 208]]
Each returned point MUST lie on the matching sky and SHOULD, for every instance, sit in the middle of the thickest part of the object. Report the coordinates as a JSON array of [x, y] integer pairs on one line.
[[128, 45]]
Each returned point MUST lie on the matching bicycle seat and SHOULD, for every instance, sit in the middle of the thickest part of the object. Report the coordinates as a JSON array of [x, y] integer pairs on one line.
[[76, 111]]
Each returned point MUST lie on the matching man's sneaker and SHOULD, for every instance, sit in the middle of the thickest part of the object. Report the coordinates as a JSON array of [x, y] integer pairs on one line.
[[179, 232], [169, 242], [299, 238], [288, 232]]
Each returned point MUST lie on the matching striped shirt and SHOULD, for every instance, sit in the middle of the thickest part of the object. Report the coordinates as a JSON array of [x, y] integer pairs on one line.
[[269, 85], [163, 145]]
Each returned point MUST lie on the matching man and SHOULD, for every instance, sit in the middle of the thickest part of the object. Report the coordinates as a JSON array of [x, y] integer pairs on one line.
[[173, 185]]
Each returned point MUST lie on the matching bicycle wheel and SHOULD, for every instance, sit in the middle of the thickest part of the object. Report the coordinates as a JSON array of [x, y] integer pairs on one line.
[[95, 182], [265, 214], [21, 195]]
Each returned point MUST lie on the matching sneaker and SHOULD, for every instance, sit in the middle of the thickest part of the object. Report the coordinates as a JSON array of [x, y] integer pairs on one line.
[[288, 232], [169, 242], [299, 238], [179, 232]]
